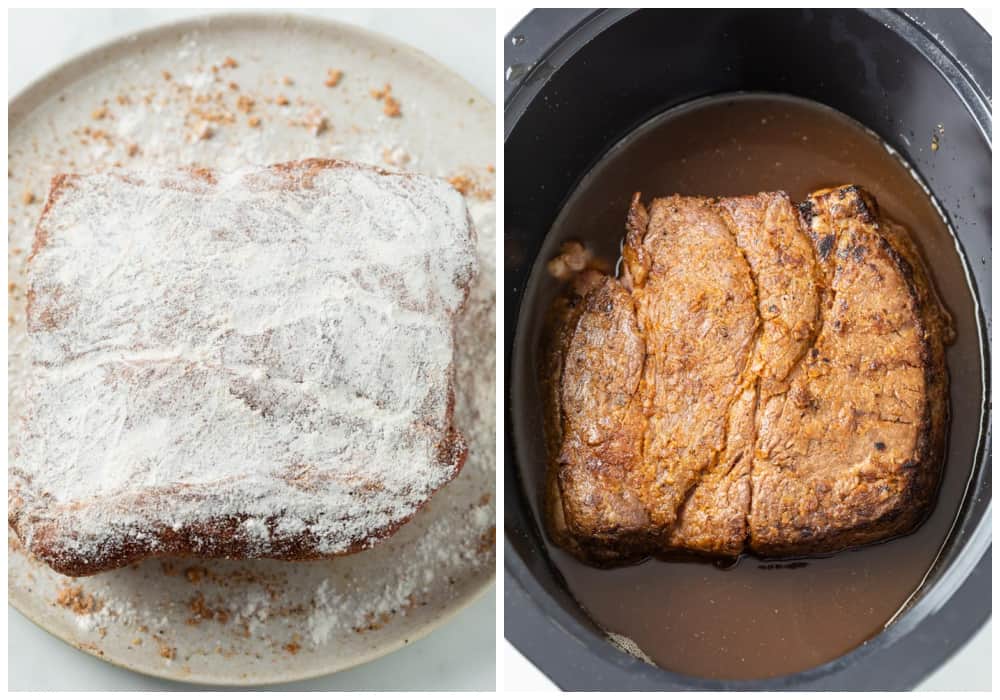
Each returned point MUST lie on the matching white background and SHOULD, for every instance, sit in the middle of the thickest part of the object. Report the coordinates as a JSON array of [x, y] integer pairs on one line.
[[969, 669], [461, 654]]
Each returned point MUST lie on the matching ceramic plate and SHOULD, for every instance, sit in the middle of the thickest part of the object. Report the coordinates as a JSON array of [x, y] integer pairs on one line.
[[221, 92]]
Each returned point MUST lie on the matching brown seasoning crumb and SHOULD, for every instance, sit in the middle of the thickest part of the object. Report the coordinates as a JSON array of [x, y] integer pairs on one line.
[[469, 187], [391, 107], [314, 120], [462, 183], [396, 157], [320, 126], [204, 131], [333, 77], [76, 600], [487, 541], [201, 611]]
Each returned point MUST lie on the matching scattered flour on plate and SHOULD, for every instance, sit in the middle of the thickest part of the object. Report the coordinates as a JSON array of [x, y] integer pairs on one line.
[[172, 610]]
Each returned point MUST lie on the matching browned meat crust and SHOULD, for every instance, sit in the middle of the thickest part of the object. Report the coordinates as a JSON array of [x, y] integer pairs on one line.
[[852, 454], [758, 379]]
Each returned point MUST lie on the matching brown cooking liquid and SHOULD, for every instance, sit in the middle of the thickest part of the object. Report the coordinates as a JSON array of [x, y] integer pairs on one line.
[[758, 618]]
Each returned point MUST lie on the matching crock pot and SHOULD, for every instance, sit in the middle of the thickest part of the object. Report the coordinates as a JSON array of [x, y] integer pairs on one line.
[[578, 81]]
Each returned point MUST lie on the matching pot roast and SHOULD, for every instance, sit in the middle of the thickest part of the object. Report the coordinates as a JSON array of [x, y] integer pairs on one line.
[[760, 377]]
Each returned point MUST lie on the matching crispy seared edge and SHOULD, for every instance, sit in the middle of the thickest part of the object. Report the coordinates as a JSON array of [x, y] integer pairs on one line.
[[603, 549], [560, 326], [924, 470]]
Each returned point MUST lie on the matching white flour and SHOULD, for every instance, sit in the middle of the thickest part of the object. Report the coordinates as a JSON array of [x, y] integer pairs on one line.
[[274, 347]]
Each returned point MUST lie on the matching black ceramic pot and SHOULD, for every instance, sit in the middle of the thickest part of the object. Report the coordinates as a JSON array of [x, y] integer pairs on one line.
[[578, 81]]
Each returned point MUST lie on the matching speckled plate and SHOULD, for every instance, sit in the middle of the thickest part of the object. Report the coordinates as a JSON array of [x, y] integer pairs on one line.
[[220, 92]]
